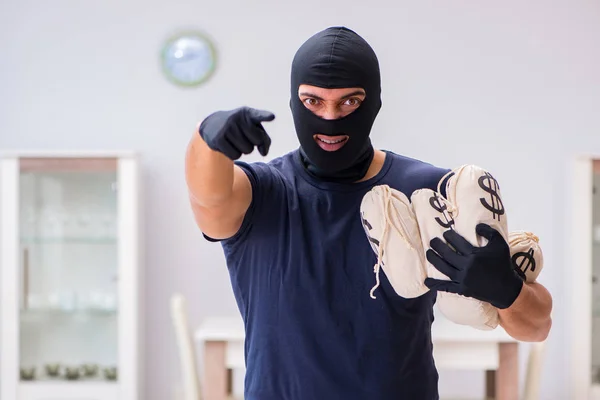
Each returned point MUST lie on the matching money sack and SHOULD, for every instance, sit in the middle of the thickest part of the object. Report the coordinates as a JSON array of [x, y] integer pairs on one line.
[[399, 231], [391, 227], [526, 255], [472, 196]]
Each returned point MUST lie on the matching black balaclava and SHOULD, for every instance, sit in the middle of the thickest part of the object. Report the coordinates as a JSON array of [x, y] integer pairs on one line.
[[336, 58]]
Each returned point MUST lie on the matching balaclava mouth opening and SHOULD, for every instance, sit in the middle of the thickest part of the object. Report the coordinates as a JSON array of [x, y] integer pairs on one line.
[[336, 58]]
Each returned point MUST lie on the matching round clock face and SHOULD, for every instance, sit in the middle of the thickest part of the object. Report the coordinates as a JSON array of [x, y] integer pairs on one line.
[[188, 59]]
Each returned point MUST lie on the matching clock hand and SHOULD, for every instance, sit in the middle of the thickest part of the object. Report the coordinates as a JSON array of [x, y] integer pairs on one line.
[[188, 57]]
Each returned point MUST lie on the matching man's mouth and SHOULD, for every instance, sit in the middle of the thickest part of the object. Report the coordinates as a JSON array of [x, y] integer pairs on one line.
[[331, 143]]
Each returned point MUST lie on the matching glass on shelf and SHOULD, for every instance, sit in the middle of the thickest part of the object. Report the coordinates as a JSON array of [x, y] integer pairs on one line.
[[57, 371], [71, 302], [86, 226], [69, 242]]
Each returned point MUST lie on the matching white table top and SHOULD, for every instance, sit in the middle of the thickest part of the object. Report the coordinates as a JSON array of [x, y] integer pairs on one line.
[[231, 329]]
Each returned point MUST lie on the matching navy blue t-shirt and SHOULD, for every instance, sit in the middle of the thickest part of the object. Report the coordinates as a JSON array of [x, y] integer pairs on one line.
[[301, 269]]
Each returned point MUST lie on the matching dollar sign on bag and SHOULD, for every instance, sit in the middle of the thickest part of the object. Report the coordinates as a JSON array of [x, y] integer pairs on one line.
[[442, 208], [490, 185], [368, 227], [527, 262]]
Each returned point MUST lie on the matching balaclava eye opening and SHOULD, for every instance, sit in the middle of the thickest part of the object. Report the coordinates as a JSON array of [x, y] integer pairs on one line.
[[336, 58]]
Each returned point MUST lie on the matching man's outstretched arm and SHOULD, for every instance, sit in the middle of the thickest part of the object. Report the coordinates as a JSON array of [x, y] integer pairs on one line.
[[220, 192]]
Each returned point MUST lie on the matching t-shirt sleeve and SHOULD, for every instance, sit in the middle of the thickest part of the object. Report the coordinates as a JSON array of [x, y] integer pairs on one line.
[[430, 175], [262, 179]]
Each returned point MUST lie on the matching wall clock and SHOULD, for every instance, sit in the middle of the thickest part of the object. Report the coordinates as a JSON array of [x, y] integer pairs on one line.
[[188, 58]]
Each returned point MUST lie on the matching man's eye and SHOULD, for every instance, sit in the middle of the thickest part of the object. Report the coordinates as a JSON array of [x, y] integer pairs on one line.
[[311, 102], [353, 101]]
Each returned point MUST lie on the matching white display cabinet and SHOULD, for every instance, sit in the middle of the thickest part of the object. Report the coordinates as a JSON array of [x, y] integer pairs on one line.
[[70, 276], [582, 275]]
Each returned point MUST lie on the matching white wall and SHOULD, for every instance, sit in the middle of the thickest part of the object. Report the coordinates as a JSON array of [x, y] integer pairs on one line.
[[513, 86]]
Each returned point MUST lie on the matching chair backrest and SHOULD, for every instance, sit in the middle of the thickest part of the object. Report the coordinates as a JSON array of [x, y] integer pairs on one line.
[[533, 377], [185, 346]]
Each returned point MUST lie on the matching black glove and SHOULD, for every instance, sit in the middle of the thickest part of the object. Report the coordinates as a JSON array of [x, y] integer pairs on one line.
[[484, 273], [236, 132]]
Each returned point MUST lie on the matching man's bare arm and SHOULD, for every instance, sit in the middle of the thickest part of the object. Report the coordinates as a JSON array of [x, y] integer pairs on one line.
[[220, 192], [529, 317]]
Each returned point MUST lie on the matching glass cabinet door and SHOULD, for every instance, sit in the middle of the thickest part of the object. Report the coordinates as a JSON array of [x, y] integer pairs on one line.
[[68, 269]]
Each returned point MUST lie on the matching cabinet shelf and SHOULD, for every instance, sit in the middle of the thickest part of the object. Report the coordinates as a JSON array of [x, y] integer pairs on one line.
[[69, 390], [57, 312], [31, 240], [64, 382]]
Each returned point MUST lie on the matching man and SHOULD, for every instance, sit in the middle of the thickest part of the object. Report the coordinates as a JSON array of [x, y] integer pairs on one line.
[[299, 261]]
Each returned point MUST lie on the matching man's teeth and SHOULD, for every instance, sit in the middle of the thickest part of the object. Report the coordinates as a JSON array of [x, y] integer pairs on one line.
[[332, 141]]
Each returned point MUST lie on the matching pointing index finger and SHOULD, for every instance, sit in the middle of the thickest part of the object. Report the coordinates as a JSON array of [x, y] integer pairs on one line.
[[258, 116]]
